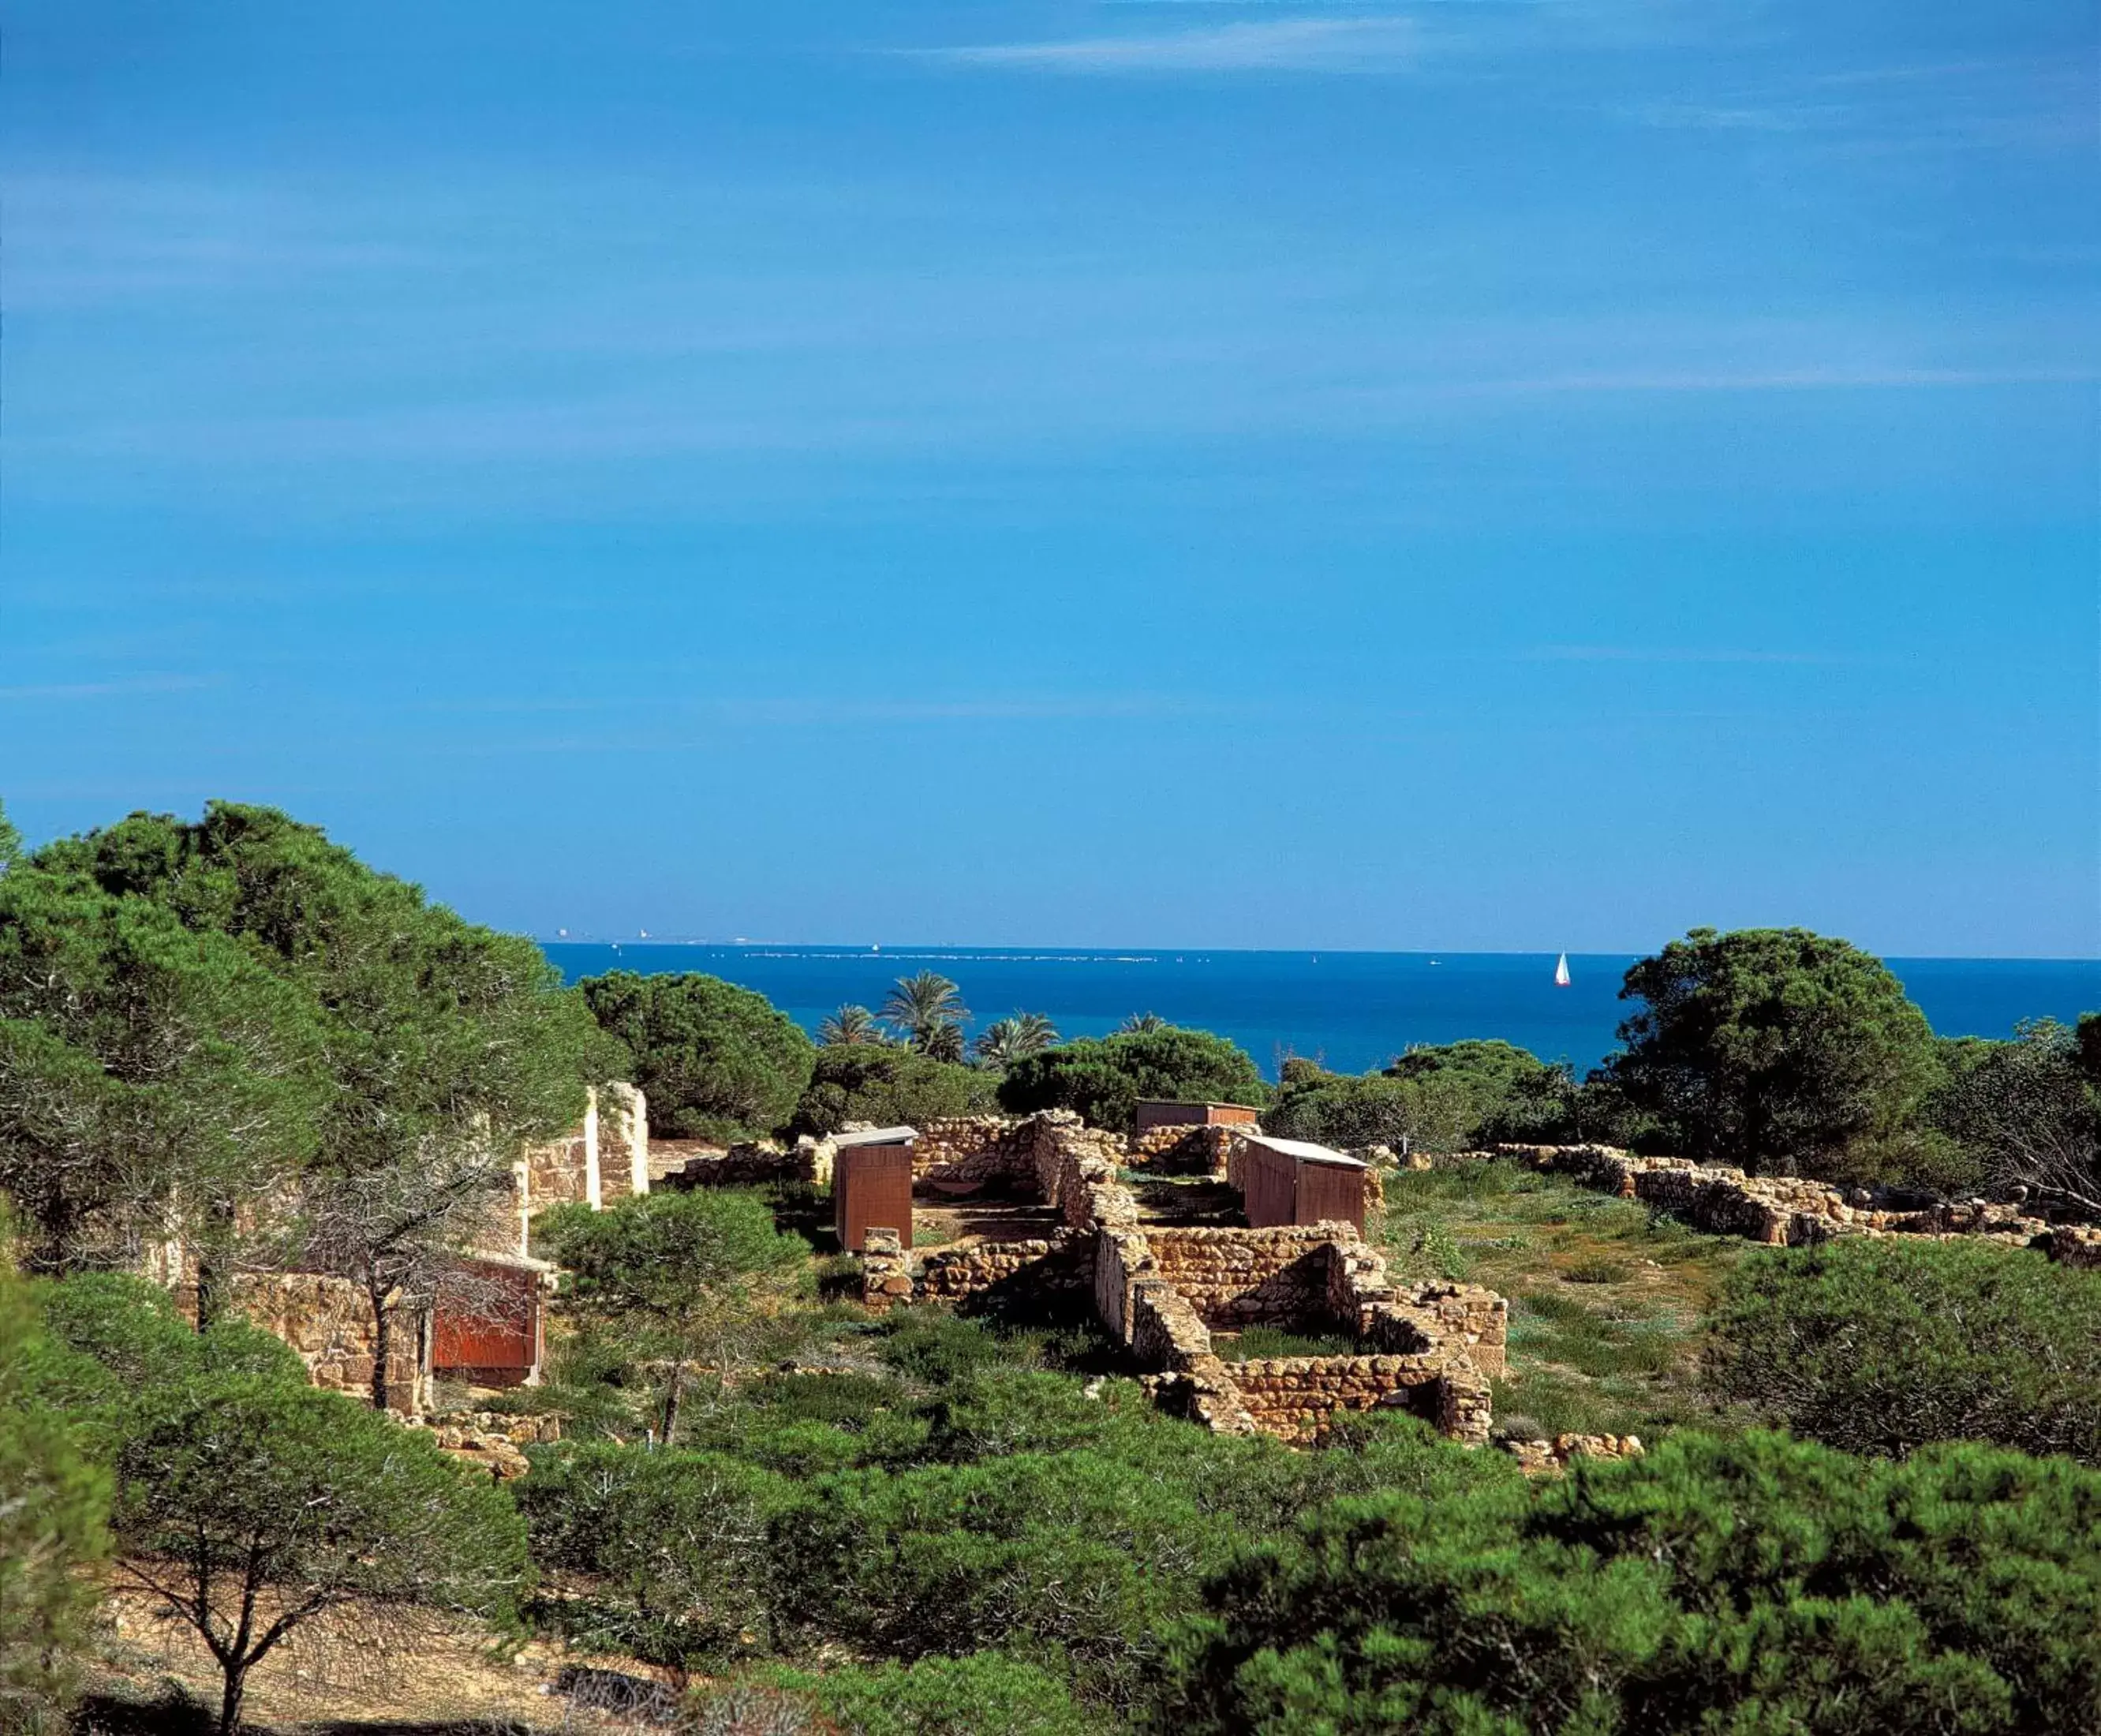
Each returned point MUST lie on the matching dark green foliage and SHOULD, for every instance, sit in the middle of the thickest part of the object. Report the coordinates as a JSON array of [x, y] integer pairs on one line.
[[675, 1543], [1349, 1110], [1104, 1078], [112, 1338], [442, 1045], [890, 1087], [683, 1279], [1454, 1097], [1775, 1048], [151, 1075], [2026, 1112], [714, 1060], [983, 1693], [1066, 1559], [1006, 1041], [54, 1505], [1881, 1346], [1752, 1584], [928, 1010], [246, 1505]]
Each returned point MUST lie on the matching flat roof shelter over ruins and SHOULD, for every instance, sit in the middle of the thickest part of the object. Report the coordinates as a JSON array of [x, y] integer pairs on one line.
[[871, 1184], [1159, 1111], [1294, 1181]]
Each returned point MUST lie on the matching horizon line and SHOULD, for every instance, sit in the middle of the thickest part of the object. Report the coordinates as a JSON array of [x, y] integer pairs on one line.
[[1151, 953]]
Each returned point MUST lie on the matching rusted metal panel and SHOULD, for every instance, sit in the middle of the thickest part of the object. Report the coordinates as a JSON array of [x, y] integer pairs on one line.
[[872, 1188], [490, 1321], [1270, 1197], [1328, 1191], [1152, 1113]]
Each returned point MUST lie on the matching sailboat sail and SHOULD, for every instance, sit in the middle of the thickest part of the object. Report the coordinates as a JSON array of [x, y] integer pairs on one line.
[[1561, 977]]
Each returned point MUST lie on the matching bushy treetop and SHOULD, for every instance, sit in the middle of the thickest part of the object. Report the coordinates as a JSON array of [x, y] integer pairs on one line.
[[713, 1059], [1772, 1047], [1105, 1078], [890, 1087]]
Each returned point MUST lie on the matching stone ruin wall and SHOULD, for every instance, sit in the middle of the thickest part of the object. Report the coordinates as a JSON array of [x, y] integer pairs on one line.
[[754, 1163], [328, 1322], [1050, 1264], [623, 1142], [605, 1157], [1194, 1150], [1160, 1289], [1779, 1210], [983, 1149], [1244, 1277]]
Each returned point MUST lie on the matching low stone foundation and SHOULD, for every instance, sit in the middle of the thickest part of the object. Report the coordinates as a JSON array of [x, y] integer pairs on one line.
[[1781, 1211], [1160, 1289], [489, 1441], [753, 1163], [1534, 1457], [1048, 1265]]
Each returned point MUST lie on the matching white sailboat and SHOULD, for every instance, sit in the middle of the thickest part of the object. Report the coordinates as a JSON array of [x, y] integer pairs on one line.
[[1561, 976]]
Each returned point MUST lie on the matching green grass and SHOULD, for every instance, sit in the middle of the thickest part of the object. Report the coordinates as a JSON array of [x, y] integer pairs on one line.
[[1274, 1341], [1605, 1296]]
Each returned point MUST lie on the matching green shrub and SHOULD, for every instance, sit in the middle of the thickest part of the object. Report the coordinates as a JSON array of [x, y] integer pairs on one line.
[[1753, 1584], [675, 1541], [890, 1087], [714, 1061], [1104, 1077], [981, 1693], [1882, 1345], [1066, 1560], [54, 1505]]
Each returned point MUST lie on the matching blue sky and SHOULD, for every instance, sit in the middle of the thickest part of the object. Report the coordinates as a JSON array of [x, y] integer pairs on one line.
[[1476, 474]]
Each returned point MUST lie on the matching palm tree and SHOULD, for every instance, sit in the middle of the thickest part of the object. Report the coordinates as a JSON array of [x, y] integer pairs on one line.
[[849, 1027], [942, 1042], [920, 1005], [1006, 1041], [1142, 1021]]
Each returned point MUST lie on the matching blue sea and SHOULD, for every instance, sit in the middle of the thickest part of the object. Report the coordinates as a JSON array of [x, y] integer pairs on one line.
[[1349, 1010]]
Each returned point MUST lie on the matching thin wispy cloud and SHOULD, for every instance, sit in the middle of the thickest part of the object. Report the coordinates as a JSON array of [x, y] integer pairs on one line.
[[1302, 45], [65, 690], [1670, 654]]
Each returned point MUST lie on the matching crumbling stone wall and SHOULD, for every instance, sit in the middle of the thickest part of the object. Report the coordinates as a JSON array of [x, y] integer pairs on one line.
[[328, 1321], [1782, 1210], [990, 1149], [1240, 1277], [1182, 1151], [623, 1142], [1298, 1397], [1047, 1265], [754, 1163], [563, 1171], [886, 1271], [1534, 1457], [489, 1441], [605, 1157], [2076, 1245]]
